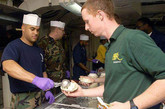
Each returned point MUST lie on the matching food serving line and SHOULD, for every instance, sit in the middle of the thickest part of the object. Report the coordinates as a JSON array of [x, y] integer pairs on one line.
[[64, 102]]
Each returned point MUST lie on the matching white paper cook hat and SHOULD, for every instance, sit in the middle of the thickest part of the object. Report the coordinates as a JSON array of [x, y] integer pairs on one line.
[[58, 24], [32, 19], [102, 37], [84, 37]]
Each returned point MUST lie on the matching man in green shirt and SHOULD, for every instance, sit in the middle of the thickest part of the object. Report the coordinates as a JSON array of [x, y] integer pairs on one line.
[[134, 65]]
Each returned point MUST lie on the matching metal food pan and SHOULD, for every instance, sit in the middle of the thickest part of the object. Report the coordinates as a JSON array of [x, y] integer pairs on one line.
[[63, 102]]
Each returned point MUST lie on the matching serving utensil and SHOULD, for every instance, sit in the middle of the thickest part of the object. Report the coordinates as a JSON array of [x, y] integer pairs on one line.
[[65, 83], [57, 84]]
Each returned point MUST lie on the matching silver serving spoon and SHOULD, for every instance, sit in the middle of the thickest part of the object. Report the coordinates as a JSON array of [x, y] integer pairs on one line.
[[65, 83]]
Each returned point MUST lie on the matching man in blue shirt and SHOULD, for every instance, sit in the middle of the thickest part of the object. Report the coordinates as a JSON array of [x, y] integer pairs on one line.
[[23, 61], [146, 25], [80, 58]]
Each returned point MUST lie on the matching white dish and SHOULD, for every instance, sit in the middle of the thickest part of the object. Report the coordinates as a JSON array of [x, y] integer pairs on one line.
[[72, 87], [93, 75], [85, 80]]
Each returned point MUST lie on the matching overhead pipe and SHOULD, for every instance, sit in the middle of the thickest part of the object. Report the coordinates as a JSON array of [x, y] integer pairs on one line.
[[9, 18]]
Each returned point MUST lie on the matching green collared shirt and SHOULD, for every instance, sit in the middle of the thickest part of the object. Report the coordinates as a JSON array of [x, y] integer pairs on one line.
[[133, 61]]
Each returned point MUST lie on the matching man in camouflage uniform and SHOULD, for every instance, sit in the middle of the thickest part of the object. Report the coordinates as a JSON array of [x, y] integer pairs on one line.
[[54, 52], [28, 100]]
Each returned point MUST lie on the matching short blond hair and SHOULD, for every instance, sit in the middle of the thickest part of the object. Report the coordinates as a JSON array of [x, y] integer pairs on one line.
[[94, 5]]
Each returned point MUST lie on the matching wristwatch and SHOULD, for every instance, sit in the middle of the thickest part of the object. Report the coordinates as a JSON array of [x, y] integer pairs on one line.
[[132, 104]]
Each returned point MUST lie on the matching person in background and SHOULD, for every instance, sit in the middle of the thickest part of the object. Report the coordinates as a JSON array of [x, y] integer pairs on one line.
[[54, 53], [134, 64], [100, 58], [147, 26], [23, 61], [80, 58]]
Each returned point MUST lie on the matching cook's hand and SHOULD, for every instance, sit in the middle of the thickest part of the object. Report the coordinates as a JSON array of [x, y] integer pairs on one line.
[[89, 78], [67, 74], [49, 95], [95, 60], [77, 93], [43, 83], [92, 71], [119, 105]]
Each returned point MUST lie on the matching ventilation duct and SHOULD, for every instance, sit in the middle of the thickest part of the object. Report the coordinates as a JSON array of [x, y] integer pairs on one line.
[[72, 6], [32, 5], [127, 8]]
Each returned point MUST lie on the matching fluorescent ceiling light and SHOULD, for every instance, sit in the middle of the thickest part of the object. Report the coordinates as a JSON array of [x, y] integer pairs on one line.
[[8, 18], [72, 6]]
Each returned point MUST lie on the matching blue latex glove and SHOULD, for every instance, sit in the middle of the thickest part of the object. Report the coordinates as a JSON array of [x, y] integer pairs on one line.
[[95, 60], [43, 83], [49, 95], [92, 71], [67, 74]]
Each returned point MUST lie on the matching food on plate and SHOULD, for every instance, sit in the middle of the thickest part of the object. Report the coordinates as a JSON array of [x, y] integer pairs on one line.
[[93, 75], [71, 88], [85, 80]]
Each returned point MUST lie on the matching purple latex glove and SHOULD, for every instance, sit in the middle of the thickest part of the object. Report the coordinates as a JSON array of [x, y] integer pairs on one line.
[[50, 96], [95, 60], [43, 83], [92, 71], [67, 74]]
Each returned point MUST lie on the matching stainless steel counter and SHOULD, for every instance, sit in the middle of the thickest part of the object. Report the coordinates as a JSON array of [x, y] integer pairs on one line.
[[63, 102]]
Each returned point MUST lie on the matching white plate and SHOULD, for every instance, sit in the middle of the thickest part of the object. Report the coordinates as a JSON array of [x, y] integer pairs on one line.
[[73, 86], [85, 80], [93, 75]]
